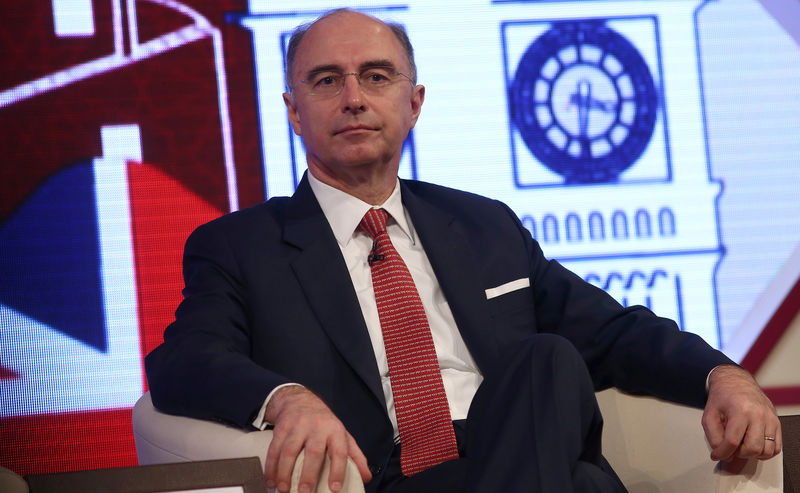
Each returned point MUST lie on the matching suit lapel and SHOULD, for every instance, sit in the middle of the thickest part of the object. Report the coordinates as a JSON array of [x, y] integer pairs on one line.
[[323, 275], [453, 261]]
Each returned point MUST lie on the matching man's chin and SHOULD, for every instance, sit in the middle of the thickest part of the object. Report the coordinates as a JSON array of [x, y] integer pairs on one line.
[[359, 157]]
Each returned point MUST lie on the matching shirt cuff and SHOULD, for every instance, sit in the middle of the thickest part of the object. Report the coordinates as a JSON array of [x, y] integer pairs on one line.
[[708, 377], [262, 424]]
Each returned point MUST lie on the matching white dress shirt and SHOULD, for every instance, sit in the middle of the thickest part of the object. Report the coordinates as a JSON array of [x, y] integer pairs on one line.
[[344, 212]]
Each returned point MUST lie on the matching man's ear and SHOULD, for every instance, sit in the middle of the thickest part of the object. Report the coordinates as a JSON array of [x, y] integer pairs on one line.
[[291, 110], [417, 98]]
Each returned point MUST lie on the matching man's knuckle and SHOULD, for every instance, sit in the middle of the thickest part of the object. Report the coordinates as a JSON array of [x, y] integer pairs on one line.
[[337, 453], [314, 448], [308, 475], [331, 423], [747, 454], [273, 451], [757, 411], [292, 447], [752, 449], [729, 443]]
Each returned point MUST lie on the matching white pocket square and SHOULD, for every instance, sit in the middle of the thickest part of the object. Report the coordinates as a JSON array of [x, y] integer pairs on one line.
[[507, 288]]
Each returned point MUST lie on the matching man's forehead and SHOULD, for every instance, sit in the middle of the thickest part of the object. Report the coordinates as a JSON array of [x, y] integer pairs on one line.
[[348, 37], [347, 21]]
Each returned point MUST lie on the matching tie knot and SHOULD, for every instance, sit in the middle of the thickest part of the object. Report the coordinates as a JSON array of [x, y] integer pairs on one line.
[[374, 222]]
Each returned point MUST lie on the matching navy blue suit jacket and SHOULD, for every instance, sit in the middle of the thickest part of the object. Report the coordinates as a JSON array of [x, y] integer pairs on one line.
[[268, 300]]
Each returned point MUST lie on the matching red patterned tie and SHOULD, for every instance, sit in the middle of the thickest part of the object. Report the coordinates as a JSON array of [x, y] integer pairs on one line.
[[423, 416]]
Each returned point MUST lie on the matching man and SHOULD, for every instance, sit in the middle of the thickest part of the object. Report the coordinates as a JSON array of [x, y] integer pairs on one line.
[[289, 320]]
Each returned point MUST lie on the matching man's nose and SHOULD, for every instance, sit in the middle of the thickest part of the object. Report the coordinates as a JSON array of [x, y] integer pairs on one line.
[[352, 95]]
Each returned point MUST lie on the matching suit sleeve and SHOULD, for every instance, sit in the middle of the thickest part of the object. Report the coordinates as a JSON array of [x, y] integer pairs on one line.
[[203, 368], [625, 347]]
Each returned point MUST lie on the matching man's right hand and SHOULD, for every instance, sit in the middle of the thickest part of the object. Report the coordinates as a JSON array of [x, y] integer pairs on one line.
[[302, 421]]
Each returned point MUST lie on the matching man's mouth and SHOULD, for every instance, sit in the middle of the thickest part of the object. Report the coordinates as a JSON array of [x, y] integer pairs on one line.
[[354, 129]]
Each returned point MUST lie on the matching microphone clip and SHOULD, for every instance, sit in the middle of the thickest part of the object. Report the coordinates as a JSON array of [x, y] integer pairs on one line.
[[375, 256]]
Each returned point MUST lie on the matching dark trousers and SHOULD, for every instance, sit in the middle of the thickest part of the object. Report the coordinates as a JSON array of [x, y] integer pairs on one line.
[[533, 427]]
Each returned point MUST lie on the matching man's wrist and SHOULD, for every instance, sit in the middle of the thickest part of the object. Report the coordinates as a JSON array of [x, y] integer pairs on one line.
[[260, 421], [731, 366]]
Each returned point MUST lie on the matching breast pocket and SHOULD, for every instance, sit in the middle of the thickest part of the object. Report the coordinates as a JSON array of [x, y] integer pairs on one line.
[[513, 314]]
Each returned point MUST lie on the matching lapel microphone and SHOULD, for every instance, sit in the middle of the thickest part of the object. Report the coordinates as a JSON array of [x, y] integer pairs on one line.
[[374, 256]]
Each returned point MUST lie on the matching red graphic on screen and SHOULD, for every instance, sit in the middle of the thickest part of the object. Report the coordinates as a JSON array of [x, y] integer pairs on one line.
[[181, 75]]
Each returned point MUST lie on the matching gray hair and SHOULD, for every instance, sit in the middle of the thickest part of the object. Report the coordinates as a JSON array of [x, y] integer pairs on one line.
[[300, 31]]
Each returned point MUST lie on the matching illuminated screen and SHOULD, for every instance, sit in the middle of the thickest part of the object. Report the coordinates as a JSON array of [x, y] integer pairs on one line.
[[650, 146]]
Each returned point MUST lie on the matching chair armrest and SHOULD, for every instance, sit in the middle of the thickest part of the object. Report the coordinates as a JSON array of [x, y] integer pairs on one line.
[[659, 447], [11, 482], [163, 438], [752, 476]]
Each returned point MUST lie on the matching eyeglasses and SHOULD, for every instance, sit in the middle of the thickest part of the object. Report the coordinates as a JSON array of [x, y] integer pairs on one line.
[[374, 80]]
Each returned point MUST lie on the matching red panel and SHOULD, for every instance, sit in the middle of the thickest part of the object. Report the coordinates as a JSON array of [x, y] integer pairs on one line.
[[31, 48], [164, 213], [67, 442], [777, 325], [173, 98], [153, 20], [784, 396]]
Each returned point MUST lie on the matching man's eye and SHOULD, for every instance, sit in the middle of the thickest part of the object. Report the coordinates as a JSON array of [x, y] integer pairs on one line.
[[327, 80], [375, 77]]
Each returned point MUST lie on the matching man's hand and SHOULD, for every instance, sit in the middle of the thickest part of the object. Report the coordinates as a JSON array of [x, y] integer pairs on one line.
[[738, 417], [304, 422]]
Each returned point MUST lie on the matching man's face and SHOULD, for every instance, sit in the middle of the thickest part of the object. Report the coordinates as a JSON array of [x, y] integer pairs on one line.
[[353, 129]]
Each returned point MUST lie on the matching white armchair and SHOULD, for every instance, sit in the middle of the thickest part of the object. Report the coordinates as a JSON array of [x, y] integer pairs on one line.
[[655, 447], [163, 438], [659, 447]]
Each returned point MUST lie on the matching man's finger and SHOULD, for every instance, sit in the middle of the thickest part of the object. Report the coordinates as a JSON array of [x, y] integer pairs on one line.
[[768, 451], [779, 438], [288, 457], [772, 447], [271, 463], [314, 451], [727, 438], [753, 442], [359, 458], [715, 430], [732, 440], [337, 451]]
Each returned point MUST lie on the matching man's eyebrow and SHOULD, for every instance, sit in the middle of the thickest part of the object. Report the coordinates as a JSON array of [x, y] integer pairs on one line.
[[377, 64], [323, 68], [388, 64]]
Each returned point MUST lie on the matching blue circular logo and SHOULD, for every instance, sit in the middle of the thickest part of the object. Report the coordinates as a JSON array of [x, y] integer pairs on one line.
[[584, 101]]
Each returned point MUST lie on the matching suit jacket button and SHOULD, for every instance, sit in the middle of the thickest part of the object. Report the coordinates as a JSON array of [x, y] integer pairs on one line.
[[375, 469]]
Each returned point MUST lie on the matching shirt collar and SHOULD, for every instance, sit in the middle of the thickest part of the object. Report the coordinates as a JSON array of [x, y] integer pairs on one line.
[[344, 212]]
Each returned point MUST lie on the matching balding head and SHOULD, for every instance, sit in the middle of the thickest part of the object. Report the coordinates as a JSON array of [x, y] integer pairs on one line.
[[299, 33]]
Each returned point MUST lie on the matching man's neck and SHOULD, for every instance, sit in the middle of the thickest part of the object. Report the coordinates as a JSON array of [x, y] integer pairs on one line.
[[373, 188]]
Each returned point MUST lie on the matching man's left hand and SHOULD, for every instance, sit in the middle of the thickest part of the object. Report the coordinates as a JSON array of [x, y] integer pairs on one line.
[[738, 418]]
